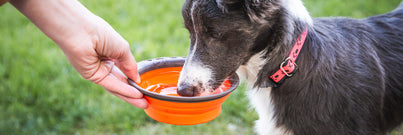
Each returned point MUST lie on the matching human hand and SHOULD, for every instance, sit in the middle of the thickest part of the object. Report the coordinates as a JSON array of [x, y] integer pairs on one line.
[[101, 57], [90, 44]]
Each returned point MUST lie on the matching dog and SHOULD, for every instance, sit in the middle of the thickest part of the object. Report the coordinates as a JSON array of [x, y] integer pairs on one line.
[[308, 76]]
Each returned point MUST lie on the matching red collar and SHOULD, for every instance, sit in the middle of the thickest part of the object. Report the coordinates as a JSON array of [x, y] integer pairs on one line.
[[288, 67]]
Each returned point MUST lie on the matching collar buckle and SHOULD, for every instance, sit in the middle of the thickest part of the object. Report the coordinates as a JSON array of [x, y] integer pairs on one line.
[[291, 64], [288, 67]]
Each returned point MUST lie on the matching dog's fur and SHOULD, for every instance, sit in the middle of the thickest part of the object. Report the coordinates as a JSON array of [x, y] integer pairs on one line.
[[350, 76]]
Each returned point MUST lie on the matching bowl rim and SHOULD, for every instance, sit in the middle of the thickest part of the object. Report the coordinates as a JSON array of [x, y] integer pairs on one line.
[[165, 62]]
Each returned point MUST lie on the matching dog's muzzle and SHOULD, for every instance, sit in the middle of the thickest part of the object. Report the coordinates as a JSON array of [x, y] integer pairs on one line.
[[187, 90]]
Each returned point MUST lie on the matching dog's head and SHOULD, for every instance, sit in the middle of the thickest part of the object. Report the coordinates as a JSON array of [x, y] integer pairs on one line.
[[224, 34]]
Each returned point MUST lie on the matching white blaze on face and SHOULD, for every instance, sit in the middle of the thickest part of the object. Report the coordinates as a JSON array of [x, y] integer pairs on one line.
[[196, 73]]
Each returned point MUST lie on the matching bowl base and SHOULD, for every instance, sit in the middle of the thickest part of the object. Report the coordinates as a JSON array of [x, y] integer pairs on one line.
[[182, 119]]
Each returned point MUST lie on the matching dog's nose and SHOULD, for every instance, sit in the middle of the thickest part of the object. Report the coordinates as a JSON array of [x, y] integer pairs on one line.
[[186, 90]]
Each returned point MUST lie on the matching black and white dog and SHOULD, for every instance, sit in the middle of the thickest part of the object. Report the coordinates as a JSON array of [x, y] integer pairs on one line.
[[349, 78]]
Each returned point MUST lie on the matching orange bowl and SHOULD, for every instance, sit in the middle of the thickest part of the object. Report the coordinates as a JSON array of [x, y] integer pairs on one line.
[[178, 110]]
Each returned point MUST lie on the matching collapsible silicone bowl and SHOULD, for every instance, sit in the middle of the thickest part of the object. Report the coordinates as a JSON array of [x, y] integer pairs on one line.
[[178, 110]]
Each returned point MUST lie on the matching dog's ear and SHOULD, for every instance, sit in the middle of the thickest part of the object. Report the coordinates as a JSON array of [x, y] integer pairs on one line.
[[257, 9], [226, 5]]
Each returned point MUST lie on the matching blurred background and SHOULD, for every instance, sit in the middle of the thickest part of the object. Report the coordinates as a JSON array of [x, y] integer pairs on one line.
[[40, 93]]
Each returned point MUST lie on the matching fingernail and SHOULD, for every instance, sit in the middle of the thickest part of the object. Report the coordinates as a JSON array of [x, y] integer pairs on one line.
[[138, 80]]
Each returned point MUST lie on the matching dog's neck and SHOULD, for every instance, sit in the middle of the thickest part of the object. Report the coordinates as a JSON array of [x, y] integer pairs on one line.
[[294, 18], [280, 40]]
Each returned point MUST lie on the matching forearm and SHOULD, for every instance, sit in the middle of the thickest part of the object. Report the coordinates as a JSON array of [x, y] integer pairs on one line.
[[60, 20]]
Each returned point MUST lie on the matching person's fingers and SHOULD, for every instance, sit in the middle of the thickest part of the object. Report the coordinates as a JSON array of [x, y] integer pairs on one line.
[[112, 83], [116, 83]]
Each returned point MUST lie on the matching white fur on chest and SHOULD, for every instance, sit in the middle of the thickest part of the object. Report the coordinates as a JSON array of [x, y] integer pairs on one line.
[[260, 99]]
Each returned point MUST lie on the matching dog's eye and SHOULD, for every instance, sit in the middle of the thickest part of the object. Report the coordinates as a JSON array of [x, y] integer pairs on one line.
[[213, 32], [216, 35]]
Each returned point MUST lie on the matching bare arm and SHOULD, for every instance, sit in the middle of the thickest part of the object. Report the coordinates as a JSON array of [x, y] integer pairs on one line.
[[90, 44]]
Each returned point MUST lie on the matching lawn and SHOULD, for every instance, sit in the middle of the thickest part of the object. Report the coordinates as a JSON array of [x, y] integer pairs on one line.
[[40, 93]]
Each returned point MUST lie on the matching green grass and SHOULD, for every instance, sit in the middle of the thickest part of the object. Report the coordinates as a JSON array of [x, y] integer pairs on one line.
[[40, 93]]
